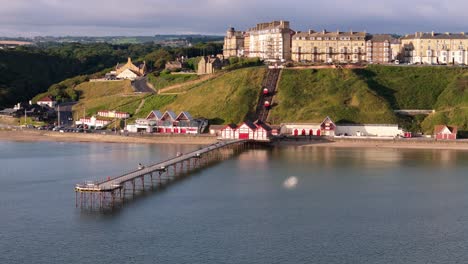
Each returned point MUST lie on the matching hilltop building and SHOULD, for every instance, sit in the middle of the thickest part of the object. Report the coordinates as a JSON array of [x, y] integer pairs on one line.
[[209, 65], [329, 47], [47, 100], [270, 41], [435, 48], [233, 43], [382, 48], [128, 71]]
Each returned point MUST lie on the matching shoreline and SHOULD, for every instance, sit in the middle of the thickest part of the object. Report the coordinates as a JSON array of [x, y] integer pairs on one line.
[[50, 136], [377, 144]]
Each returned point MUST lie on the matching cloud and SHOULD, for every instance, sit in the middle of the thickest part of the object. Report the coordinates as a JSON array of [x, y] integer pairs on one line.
[[147, 17]]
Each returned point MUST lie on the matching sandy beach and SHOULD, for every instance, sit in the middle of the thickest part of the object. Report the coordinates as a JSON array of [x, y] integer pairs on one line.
[[39, 135]]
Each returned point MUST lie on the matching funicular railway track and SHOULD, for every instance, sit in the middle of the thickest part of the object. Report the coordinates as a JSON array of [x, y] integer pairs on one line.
[[267, 93]]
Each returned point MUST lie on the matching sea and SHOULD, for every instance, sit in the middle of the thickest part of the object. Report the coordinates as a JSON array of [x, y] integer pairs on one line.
[[272, 205]]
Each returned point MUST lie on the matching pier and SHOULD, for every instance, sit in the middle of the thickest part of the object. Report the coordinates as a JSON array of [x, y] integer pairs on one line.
[[114, 191]]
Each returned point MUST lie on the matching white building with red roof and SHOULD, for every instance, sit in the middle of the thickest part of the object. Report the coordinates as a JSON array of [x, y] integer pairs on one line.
[[47, 100], [445, 132]]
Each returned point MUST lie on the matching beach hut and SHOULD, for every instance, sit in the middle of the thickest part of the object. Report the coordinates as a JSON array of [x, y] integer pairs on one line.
[[262, 132], [445, 132], [246, 130], [327, 127], [229, 132]]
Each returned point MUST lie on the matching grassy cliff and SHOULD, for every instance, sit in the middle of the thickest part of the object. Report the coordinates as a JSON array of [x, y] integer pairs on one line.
[[311, 95], [370, 95], [95, 96], [225, 99]]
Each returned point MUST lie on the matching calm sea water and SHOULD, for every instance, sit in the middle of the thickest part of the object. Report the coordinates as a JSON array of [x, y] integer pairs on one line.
[[349, 206]]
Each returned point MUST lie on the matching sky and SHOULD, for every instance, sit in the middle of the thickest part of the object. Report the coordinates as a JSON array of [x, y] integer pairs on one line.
[[27, 18]]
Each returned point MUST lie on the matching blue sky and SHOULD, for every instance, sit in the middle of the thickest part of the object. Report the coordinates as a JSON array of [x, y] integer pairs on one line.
[[148, 17]]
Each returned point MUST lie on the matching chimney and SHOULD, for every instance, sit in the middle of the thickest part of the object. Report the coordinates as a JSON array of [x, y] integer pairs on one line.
[[311, 31], [129, 60], [432, 33], [324, 31]]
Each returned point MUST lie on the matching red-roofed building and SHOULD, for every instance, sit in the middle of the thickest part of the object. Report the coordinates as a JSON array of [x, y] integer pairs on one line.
[[445, 132], [47, 100]]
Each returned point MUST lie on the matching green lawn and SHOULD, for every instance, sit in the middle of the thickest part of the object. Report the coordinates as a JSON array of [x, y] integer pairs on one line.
[[165, 80]]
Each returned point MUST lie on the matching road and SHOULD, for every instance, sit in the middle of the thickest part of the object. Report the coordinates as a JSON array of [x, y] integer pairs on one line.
[[141, 85], [66, 114]]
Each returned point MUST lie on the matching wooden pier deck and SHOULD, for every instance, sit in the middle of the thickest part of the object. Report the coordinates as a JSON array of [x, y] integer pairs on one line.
[[114, 190]]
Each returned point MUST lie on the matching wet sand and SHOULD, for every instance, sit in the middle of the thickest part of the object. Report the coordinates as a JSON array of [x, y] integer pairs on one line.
[[38, 135]]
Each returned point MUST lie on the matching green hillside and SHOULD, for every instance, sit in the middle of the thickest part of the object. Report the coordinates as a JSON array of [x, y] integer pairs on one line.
[[225, 99], [451, 106], [370, 95], [311, 95], [95, 96], [409, 87]]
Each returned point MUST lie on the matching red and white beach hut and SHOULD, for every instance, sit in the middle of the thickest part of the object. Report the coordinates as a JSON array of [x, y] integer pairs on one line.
[[246, 130], [445, 132], [263, 132], [229, 132]]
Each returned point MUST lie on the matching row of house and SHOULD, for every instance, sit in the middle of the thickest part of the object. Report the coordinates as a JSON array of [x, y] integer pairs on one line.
[[262, 132], [247, 130], [168, 122], [276, 41]]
